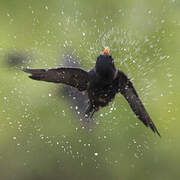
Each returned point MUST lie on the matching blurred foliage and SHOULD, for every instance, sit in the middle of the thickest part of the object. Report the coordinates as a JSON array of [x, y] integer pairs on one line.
[[41, 138]]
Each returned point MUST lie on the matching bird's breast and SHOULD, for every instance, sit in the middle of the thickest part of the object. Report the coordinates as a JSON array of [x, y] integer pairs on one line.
[[101, 96]]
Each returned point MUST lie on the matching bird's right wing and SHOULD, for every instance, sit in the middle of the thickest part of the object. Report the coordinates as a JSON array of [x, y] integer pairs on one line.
[[127, 89], [75, 77]]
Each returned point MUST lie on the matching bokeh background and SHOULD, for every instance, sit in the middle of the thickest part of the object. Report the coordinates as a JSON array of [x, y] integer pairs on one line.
[[40, 135]]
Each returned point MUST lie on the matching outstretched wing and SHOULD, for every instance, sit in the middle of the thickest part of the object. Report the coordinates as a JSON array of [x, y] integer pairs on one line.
[[75, 77], [127, 89]]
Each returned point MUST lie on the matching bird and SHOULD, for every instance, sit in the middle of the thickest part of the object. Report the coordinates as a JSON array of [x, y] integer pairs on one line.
[[101, 83]]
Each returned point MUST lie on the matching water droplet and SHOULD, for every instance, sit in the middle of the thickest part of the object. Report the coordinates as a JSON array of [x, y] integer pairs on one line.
[[136, 156], [134, 141], [96, 154], [162, 21], [101, 115], [149, 12]]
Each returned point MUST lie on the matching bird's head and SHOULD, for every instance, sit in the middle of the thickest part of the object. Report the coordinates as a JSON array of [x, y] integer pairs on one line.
[[105, 67]]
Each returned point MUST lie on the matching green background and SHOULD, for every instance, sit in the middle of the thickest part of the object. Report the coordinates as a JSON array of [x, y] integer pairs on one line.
[[41, 138]]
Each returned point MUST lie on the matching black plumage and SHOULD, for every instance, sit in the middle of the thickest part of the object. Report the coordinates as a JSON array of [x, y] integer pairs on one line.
[[102, 83]]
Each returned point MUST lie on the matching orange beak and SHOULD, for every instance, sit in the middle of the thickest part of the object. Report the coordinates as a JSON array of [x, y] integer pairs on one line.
[[106, 51]]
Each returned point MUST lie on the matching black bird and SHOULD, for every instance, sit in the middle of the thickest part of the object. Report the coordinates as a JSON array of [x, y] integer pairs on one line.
[[101, 83]]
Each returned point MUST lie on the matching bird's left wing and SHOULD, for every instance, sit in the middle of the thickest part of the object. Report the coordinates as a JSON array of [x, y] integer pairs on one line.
[[75, 77], [127, 89]]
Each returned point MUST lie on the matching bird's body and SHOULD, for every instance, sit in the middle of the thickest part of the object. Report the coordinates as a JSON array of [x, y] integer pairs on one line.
[[100, 92], [101, 83]]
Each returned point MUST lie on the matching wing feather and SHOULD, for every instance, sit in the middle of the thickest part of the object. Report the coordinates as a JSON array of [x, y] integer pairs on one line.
[[127, 89], [75, 77]]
